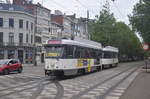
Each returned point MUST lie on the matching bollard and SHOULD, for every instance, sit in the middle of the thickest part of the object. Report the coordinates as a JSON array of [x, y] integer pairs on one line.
[[146, 63]]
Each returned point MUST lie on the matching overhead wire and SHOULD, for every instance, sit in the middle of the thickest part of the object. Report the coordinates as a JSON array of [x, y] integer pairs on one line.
[[84, 6], [62, 6], [120, 13]]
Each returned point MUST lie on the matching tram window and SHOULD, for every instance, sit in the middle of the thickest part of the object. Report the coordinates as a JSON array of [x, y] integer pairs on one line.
[[54, 51], [94, 54], [99, 54], [107, 54], [110, 54], [77, 52], [68, 53], [115, 55], [87, 53]]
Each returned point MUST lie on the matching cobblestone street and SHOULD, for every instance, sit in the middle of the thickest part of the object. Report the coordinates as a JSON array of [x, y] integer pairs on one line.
[[32, 84]]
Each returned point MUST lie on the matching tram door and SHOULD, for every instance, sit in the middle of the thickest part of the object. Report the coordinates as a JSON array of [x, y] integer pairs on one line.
[[20, 55]]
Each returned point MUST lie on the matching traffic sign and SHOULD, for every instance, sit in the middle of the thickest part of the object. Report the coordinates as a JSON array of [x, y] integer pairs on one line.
[[145, 46]]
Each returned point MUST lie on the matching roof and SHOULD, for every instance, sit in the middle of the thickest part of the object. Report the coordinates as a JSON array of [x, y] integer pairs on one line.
[[40, 6], [81, 42], [111, 49], [13, 7]]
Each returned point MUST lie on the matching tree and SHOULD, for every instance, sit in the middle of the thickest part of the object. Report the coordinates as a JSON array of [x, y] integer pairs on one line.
[[106, 30], [103, 28], [140, 20]]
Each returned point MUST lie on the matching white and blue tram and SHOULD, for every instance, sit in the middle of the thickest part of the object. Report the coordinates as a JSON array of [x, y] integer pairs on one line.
[[109, 56], [71, 57]]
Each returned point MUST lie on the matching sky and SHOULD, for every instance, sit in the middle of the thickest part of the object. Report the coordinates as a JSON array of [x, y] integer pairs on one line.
[[120, 8]]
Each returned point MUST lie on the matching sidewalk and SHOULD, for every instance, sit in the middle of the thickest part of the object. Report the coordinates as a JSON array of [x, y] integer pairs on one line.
[[140, 88]]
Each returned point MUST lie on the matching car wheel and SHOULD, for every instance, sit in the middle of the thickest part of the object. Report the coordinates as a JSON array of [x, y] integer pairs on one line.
[[19, 70], [6, 72]]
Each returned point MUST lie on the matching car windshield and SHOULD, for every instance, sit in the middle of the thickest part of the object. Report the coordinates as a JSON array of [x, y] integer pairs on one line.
[[3, 62]]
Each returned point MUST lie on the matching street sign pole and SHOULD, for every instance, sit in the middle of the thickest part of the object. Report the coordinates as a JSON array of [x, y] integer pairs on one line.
[[146, 48]]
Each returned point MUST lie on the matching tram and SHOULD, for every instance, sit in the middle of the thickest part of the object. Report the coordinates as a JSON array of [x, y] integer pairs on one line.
[[71, 57], [110, 57]]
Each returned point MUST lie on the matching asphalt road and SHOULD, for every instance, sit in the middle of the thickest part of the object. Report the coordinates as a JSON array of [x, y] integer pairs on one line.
[[32, 84]]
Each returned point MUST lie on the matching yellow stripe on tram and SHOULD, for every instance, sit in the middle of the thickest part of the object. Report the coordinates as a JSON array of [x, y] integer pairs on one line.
[[89, 65]]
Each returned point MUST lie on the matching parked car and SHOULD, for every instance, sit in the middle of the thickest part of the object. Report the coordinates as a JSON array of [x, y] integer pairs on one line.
[[9, 65]]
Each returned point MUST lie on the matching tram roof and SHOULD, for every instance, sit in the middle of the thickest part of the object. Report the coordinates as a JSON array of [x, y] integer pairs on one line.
[[111, 49], [83, 44], [80, 42]]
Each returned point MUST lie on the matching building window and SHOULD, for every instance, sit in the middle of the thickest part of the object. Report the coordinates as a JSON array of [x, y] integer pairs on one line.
[[27, 25], [1, 54], [20, 23], [11, 22], [31, 26], [1, 37], [31, 38], [11, 38], [38, 39], [20, 38], [11, 54], [27, 38], [1, 22]]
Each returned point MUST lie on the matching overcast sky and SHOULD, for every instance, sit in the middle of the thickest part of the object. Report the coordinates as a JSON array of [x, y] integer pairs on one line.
[[120, 8]]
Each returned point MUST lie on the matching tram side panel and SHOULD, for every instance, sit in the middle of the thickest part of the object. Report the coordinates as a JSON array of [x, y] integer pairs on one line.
[[68, 66]]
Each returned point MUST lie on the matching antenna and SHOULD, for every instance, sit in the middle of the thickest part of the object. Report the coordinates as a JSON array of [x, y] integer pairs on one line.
[[42, 2]]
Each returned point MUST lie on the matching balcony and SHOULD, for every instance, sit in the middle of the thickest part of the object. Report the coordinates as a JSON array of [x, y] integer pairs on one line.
[[7, 44]]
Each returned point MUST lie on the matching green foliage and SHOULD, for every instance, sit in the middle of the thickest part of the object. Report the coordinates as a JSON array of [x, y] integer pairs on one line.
[[106, 30], [140, 19]]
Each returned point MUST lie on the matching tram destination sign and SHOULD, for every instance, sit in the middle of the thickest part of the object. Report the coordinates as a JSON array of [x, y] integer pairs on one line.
[[54, 41]]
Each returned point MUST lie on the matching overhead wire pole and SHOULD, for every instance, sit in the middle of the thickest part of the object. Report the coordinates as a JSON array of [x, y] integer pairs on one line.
[[42, 2], [87, 20]]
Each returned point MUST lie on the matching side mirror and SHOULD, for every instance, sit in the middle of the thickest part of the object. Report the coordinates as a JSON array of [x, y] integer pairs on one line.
[[9, 64]]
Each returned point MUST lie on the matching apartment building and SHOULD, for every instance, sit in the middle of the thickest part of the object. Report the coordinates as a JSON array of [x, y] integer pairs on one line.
[[42, 25], [16, 33]]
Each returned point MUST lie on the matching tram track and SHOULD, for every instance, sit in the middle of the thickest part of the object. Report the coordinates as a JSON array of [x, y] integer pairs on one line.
[[115, 85], [21, 88], [41, 83], [101, 83], [20, 85], [60, 90]]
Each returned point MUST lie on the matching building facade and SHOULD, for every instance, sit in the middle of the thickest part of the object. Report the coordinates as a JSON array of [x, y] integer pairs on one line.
[[46, 26], [79, 27], [16, 33], [42, 25], [42, 29], [82, 26], [65, 22], [56, 31]]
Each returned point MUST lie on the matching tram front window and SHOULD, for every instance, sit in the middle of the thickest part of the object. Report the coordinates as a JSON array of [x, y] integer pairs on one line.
[[54, 51]]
